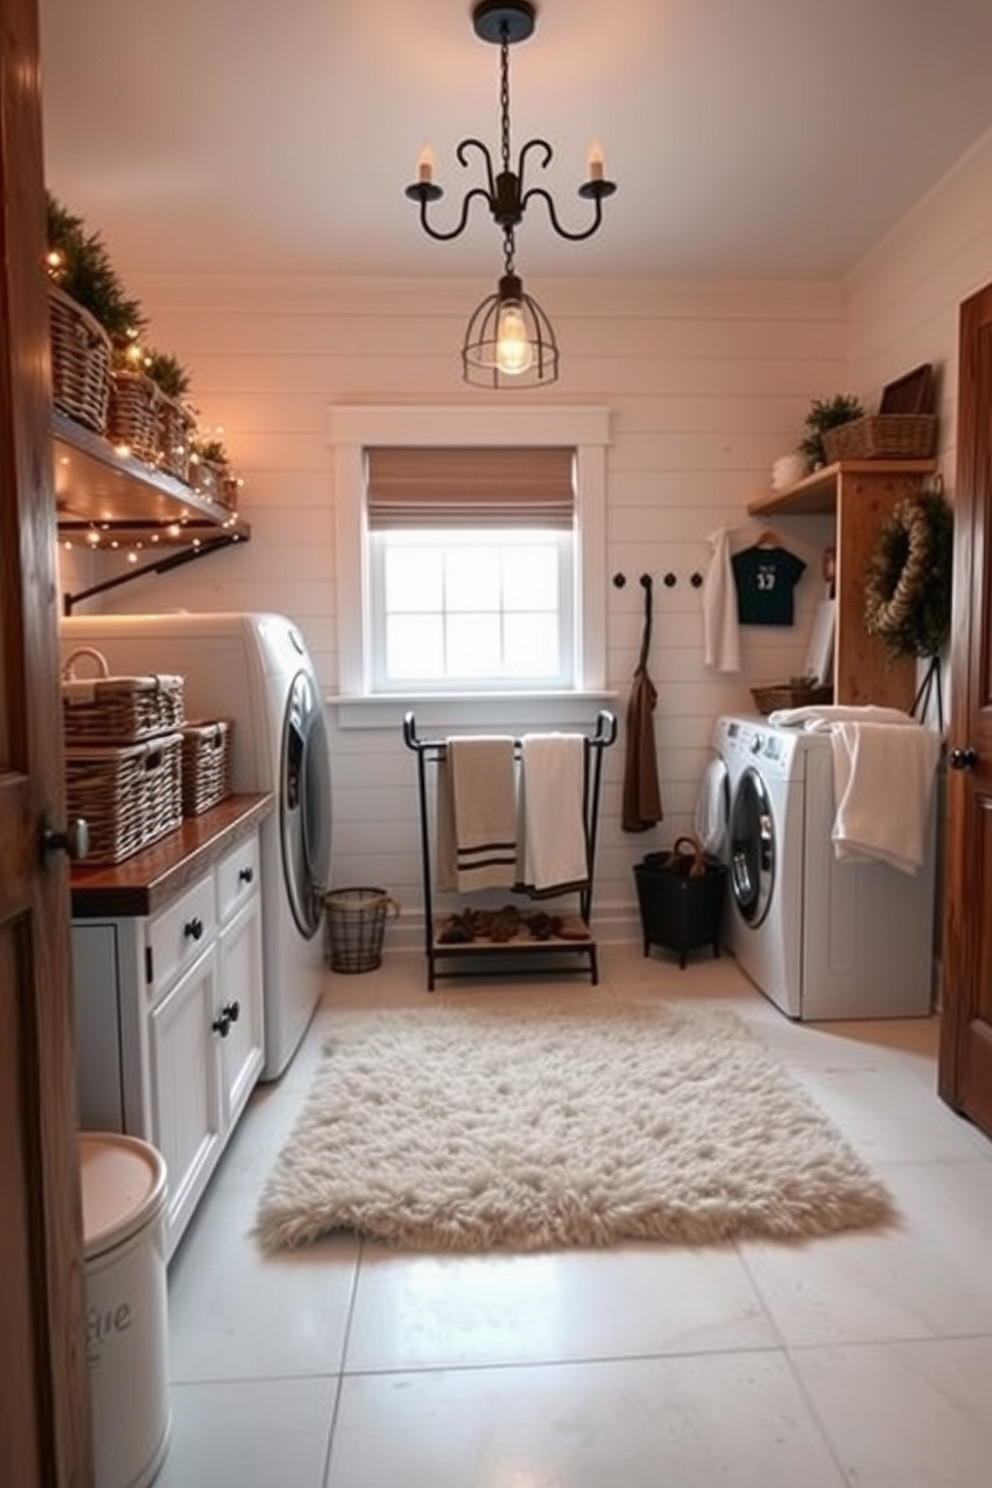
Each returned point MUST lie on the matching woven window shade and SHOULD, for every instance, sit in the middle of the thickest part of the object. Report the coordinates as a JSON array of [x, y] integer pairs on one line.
[[423, 487]]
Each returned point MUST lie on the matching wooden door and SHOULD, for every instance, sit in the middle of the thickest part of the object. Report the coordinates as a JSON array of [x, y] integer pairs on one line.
[[965, 1079], [44, 1400]]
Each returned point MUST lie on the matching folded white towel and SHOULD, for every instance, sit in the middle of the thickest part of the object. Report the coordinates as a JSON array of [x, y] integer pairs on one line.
[[554, 839], [477, 814], [883, 783], [815, 715]]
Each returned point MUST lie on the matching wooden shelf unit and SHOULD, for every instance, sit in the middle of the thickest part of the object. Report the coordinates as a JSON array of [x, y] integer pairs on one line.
[[120, 498], [860, 495]]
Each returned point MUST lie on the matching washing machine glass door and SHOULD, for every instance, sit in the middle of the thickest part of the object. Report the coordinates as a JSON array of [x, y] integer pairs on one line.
[[713, 809], [752, 848], [305, 803]]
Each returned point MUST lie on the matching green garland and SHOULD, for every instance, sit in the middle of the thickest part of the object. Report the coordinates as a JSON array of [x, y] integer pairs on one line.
[[908, 579]]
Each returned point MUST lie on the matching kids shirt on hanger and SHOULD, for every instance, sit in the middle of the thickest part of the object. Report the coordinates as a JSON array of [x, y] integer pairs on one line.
[[765, 579]]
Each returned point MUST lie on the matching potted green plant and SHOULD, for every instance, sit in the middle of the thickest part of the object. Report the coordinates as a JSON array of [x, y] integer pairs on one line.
[[79, 264], [824, 414], [211, 473]]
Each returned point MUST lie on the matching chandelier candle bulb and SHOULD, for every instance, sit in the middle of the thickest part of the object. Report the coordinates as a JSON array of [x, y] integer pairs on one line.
[[595, 162], [425, 166]]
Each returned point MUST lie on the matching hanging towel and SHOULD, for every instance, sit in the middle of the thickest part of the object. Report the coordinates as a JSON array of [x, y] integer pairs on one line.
[[883, 782], [641, 807], [552, 778], [721, 634], [821, 715], [477, 814]]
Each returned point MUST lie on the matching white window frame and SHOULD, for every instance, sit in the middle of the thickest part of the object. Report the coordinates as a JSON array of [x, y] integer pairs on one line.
[[356, 428]]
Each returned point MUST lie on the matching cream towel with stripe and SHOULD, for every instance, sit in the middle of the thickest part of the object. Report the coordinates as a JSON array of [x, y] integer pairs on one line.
[[476, 814]]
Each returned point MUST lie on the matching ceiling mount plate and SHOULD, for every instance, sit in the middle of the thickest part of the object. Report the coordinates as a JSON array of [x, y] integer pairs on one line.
[[495, 19]]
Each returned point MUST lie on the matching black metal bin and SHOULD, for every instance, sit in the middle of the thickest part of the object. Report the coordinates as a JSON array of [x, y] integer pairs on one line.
[[681, 897]]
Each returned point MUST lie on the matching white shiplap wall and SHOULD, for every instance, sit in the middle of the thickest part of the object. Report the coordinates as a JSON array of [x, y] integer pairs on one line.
[[706, 385]]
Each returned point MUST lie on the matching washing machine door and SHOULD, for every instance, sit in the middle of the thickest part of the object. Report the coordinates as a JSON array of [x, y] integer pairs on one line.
[[305, 803], [752, 848], [713, 809]]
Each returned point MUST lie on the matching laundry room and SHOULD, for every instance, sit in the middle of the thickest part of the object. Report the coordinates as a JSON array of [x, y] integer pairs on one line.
[[745, 627]]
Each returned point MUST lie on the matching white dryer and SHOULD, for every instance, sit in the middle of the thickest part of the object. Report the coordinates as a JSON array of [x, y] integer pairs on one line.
[[255, 670], [823, 939]]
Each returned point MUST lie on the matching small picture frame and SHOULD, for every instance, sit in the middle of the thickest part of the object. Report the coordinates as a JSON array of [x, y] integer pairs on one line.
[[909, 394]]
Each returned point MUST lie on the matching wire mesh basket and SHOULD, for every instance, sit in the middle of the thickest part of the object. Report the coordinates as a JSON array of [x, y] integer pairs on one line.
[[354, 922]]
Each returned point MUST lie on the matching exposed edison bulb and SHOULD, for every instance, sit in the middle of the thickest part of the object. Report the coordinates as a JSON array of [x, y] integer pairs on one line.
[[514, 353]]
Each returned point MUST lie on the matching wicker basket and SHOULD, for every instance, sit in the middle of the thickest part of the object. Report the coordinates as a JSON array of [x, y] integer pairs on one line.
[[215, 481], [117, 710], [206, 765], [81, 355], [883, 436], [133, 415], [129, 797], [354, 921], [767, 699], [176, 424]]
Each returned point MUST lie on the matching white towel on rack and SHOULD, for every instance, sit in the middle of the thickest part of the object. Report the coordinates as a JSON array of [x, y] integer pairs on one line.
[[477, 814], [721, 634], [554, 856]]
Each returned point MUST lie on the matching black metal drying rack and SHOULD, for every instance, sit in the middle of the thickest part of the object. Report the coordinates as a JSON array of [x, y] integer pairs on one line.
[[474, 955]]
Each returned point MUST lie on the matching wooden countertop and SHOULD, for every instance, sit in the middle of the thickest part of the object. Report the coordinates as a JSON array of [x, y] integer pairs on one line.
[[150, 879]]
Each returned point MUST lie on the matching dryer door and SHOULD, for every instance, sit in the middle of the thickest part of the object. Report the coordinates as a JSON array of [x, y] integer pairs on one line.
[[713, 809], [752, 848], [305, 803]]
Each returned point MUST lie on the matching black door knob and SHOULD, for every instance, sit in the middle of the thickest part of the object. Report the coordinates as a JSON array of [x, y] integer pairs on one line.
[[963, 759]]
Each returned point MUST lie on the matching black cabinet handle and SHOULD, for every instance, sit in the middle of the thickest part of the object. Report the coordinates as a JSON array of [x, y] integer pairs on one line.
[[222, 1024], [246, 876], [231, 1011], [193, 929], [963, 759]]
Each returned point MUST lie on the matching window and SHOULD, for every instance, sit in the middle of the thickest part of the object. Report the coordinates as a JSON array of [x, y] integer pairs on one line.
[[471, 558], [459, 592]]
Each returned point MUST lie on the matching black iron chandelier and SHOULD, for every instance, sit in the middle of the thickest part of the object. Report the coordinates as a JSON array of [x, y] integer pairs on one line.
[[509, 341]]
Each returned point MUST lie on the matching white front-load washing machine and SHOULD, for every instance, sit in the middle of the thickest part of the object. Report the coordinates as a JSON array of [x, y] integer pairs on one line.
[[253, 669], [822, 938]]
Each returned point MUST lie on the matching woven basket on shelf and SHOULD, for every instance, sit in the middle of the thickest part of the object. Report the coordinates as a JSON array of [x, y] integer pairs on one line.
[[129, 797], [215, 481], [883, 436], [176, 425], [206, 765], [117, 710], [81, 356], [133, 416], [767, 699]]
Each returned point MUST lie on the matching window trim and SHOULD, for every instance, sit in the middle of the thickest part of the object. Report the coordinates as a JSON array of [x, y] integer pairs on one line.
[[354, 428]]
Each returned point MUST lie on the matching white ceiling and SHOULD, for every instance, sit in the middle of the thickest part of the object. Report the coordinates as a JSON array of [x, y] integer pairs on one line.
[[747, 137]]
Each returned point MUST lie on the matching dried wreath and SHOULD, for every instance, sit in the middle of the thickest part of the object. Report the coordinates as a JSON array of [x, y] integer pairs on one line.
[[908, 579]]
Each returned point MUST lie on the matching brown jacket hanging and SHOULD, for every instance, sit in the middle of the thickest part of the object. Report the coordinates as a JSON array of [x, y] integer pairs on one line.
[[641, 792]]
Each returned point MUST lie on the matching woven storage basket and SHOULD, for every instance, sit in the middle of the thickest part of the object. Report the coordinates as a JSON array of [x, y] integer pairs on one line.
[[81, 355], [767, 699], [206, 765], [133, 414], [176, 424], [883, 436], [129, 797], [117, 710], [215, 482]]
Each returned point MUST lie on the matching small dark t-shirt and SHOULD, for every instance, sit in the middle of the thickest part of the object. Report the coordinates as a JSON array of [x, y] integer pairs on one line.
[[766, 578]]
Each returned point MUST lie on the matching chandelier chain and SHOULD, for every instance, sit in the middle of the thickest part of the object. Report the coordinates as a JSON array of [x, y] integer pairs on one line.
[[504, 94]]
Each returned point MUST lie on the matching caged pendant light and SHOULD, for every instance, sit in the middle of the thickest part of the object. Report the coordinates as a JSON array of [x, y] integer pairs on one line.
[[509, 341]]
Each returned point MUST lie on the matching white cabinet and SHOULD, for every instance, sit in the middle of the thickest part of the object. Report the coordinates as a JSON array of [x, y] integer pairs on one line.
[[169, 1031]]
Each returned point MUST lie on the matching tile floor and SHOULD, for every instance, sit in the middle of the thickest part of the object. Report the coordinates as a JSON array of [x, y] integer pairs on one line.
[[857, 1360]]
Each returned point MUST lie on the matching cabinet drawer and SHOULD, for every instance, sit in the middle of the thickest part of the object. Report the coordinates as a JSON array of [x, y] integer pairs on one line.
[[181, 932], [237, 878]]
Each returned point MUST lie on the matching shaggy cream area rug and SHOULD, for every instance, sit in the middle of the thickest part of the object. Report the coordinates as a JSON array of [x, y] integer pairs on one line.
[[475, 1130]]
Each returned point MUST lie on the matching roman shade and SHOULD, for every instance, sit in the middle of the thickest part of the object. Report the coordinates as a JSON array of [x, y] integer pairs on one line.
[[473, 486]]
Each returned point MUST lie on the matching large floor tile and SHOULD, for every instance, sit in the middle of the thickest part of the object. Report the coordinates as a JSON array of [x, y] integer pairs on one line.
[[235, 1313], [739, 1421], [927, 1278], [249, 1435], [418, 1312], [907, 1415]]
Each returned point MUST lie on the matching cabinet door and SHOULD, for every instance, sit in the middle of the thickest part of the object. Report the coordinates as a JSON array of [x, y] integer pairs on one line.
[[242, 1046], [186, 1097]]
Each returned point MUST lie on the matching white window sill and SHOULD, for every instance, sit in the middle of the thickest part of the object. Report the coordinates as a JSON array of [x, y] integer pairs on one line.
[[433, 711]]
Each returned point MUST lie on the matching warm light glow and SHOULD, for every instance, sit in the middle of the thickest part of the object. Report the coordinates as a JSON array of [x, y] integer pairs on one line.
[[124, 450], [595, 161], [425, 166], [53, 259], [514, 353]]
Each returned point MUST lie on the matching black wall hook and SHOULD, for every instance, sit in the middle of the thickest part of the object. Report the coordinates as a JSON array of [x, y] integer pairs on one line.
[[619, 580], [696, 580]]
